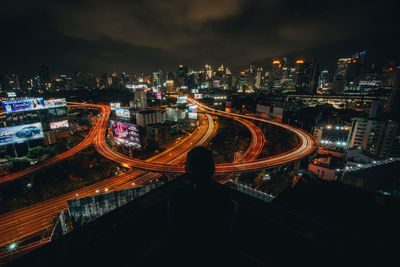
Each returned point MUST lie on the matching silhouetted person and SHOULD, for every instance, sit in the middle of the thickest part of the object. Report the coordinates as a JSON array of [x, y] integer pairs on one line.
[[200, 217]]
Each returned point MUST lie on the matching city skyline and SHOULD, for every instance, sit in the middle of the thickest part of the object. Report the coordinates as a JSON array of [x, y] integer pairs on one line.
[[145, 132], [151, 35]]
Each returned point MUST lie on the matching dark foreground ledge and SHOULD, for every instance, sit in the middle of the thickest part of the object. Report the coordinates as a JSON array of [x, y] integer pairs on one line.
[[315, 223]]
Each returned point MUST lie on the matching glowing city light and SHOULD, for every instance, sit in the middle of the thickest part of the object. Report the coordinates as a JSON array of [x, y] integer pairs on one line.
[[12, 246]]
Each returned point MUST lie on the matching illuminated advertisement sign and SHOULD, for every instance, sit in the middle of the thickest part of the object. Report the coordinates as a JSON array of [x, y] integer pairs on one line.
[[59, 124], [114, 106], [22, 105], [137, 86], [159, 96], [54, 103], [19, 134], [181, 100], [11, 94], [192, 116], [198, 96], [192, 108], [126, 133], [124, 113], [263, 109], [184, 87], [278, 112]]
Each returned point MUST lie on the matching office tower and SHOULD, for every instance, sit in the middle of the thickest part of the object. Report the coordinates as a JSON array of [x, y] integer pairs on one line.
[[306, 76], [170, 87], [91, 81], [375, 136], [140, 100], [314, 75], [44, 76], [208, 71], [242, 82], [259, 77], [348, 73], [325, 80], [276, 74], [104, 81], [393, 82], [157, 78], [221, 71], [116, 81], [78, 80], [181, 76], [301, 76], [250, 79]]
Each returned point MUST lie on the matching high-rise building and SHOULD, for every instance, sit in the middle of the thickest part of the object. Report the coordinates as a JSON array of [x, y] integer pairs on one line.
[[250, 73], [325, 80], [140, 100], [314, 76], [276, 74], [208, 71], [348, 73], [44, 76], [170, 87], [302, 76], [157, 78], [242, 82], [221, 71], [259, 77], [116, 81], [78, 80], [374, 136], [91, 81], [181, 75], [393, 82], [104, 81], [306, 76]]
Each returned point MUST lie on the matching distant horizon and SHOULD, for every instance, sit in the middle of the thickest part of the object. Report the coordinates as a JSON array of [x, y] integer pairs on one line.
[[266, 67]]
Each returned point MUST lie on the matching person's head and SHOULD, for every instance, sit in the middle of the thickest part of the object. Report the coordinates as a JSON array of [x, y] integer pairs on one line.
[[200, 165]]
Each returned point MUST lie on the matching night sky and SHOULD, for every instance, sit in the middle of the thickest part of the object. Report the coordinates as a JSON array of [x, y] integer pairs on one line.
[[148, 35]]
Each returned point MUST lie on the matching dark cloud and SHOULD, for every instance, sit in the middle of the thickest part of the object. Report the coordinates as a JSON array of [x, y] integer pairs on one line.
[[145, 35]]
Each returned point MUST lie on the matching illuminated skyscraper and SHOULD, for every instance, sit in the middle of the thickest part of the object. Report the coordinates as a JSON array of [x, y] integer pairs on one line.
[[208, 71], [325, 80], [250, 79], [348, 72], [259, 77], [276, 74]]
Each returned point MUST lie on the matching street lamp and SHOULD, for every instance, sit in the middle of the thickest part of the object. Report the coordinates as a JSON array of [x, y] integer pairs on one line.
[[12, 246]]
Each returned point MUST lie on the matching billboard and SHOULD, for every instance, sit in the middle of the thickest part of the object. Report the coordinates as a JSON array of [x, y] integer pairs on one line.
[[192, 108], [54, 103], [22, 105], [278, 112], [11, 94], [114, 106], [263, 109], [181, 100], [122, 112], [59, 124], [198, 96], [192, 116], [126, 133], [21, 133], [159, 96]]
